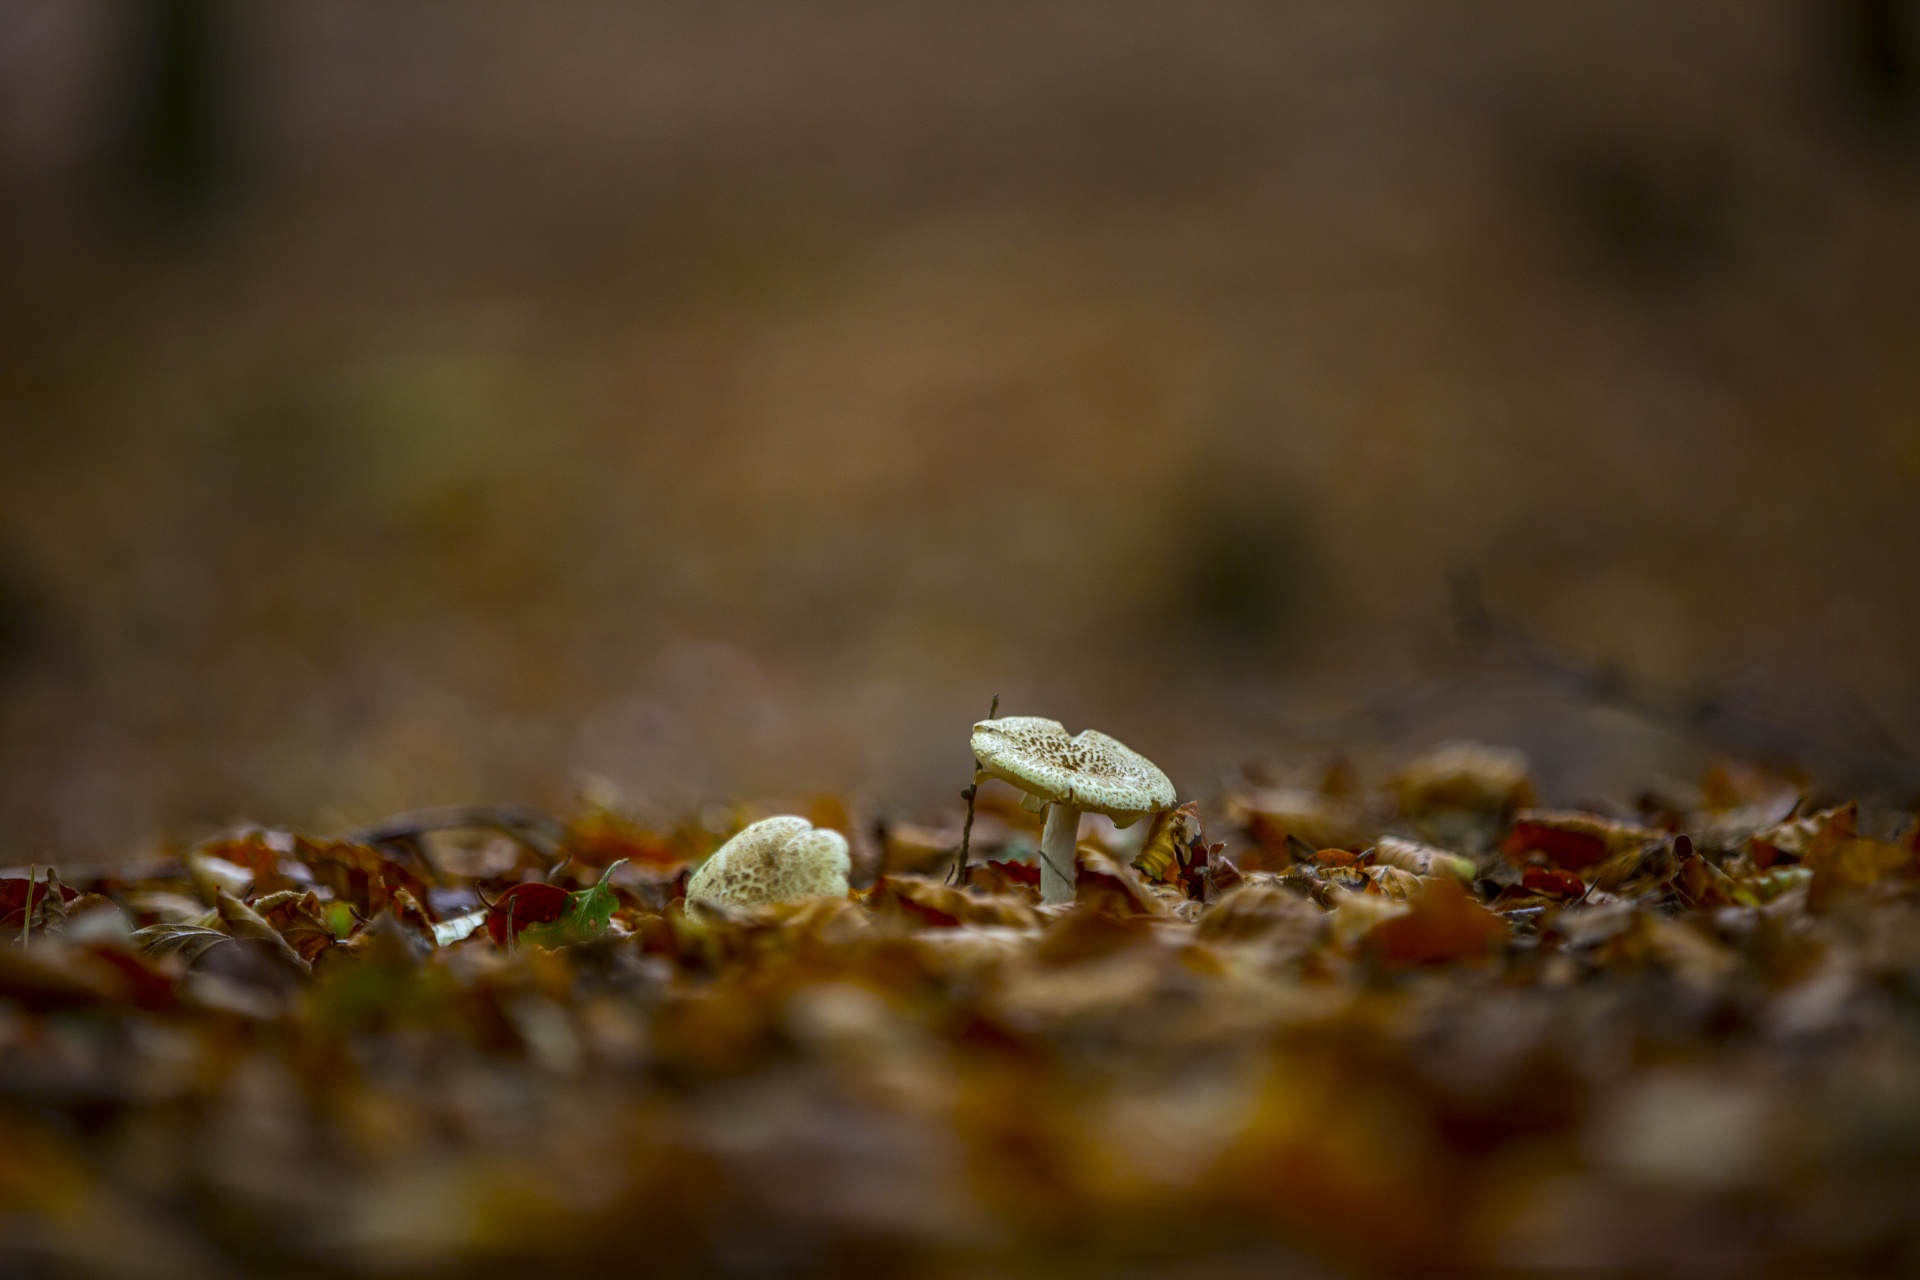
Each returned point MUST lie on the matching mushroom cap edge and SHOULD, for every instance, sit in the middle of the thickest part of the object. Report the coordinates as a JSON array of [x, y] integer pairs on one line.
[[1088, 770]]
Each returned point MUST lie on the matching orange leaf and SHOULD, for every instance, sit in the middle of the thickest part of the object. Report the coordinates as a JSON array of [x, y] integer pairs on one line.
[[1444, 925]]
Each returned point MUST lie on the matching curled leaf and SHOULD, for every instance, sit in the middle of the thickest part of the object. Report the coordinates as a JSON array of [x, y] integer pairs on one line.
[[188, 941], [243, 921], [460, 928]]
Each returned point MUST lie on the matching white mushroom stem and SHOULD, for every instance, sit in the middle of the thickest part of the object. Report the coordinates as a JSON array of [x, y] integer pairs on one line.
[[1057, 862]]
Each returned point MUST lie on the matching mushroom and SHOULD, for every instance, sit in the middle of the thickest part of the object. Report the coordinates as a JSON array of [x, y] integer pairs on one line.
[[1068, 775], [774, 860]]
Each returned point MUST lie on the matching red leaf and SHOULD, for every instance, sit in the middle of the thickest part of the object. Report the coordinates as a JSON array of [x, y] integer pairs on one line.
[[531, 903], [1019, 872], [13, 897], [1575, 849], [1552, 883]]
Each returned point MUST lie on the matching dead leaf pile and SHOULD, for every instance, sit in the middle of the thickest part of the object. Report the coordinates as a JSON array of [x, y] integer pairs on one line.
[[1427, 1029]]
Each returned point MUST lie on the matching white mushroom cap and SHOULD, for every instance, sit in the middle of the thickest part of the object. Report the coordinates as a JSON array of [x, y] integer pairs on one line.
[[774, 860], [1088, 771]]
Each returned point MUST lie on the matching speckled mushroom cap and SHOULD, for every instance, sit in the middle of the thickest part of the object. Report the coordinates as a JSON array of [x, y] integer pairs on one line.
[[1088, 770], [774, 860]]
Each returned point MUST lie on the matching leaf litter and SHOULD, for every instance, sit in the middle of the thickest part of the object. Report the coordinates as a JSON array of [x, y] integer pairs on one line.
[[1424, 1028]]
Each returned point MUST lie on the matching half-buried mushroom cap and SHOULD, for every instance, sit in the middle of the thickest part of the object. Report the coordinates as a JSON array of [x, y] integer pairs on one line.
[[774, 860], [1087, 771]]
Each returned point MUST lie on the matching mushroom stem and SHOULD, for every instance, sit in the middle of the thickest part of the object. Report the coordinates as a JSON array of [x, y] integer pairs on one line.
[[1057, 864]]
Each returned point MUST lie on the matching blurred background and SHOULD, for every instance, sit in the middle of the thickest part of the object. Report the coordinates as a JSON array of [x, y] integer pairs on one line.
[[449, 401]]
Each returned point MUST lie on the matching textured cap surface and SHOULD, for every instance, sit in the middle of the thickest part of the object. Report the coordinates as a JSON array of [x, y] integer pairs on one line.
[[774, 860], [1088, 770]]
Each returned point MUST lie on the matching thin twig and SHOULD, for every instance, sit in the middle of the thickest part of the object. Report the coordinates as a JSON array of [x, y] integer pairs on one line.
[[960, 873], [26, 920]]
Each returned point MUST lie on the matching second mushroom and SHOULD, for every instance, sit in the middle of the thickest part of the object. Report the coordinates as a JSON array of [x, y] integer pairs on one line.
[[1068, 775]]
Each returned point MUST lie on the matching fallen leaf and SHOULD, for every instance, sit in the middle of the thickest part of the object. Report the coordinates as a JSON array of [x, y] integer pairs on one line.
[[1166, 856], [1109, 886], [1442, 925], [1552, 883], [1572, 841], [1422, 859], [362, 877], [14, 894], [187, 941], [243, 921], [522, 906], [300, 918], [1808, 837], [585, 916]]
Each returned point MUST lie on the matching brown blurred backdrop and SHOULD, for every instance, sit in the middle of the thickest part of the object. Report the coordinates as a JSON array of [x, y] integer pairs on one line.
[[409, 403]]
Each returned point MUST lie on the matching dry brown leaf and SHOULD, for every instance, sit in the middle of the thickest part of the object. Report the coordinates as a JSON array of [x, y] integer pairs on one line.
[[1807, 837], [1106, 885], [242, 921]]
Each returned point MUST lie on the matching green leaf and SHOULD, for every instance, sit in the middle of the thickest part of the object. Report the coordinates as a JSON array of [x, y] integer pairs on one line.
[[588, 913], [340, 919]]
